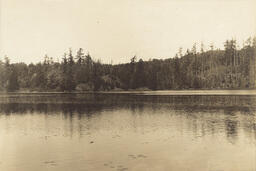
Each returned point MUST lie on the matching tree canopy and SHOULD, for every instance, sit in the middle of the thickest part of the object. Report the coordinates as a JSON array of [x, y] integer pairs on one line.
[[231, 68]]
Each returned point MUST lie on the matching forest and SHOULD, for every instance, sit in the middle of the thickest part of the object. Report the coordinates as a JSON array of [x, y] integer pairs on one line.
[[230, 68]]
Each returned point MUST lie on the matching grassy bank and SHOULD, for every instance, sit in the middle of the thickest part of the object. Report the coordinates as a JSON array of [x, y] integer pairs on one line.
[[150, 92]]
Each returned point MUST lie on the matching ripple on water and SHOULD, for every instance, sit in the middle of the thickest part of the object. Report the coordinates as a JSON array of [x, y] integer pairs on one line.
[[50, 163]]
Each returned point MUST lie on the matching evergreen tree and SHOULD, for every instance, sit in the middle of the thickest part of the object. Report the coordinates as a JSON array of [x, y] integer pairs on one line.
[[13, 80]]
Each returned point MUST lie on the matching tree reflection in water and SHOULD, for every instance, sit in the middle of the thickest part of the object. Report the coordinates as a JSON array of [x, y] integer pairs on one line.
[[202, 114]]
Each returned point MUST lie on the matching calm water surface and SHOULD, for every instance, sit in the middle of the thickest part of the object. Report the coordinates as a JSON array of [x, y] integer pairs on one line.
[[65, 132]]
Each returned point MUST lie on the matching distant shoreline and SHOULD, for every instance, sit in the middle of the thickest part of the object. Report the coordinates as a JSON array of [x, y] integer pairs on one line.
[[148, 92], [187, 92]]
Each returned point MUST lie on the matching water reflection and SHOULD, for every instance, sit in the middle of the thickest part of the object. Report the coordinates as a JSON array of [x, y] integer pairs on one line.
[[75, 101], [203, 114], [108, 121], [231, 130]]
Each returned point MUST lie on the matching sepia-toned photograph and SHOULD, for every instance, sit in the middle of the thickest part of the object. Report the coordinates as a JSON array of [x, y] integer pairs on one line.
[[127, 85]]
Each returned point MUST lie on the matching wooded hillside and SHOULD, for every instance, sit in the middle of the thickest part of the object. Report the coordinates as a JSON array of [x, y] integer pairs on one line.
[[231, 68]]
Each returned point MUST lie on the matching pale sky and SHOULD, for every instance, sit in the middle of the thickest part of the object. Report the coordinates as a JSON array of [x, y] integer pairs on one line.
[[118, 29]]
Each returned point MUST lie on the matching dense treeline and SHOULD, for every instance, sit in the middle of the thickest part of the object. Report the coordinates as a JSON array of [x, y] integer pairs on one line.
[[231, 68]]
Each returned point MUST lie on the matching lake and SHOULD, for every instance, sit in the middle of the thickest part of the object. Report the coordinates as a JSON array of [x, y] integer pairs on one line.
[[107, 132]]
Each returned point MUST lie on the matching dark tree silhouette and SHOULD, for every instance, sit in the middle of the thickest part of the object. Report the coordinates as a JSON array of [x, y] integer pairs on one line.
[[231, 68]]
